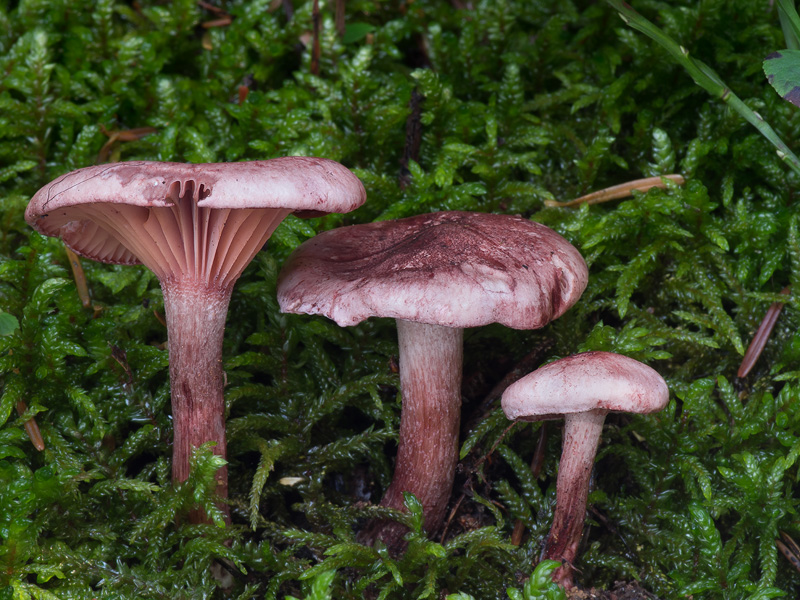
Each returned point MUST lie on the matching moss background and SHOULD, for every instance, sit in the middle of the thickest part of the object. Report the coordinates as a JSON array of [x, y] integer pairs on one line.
[[517, 102]]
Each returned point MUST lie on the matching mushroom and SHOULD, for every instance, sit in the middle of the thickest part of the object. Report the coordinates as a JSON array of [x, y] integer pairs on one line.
[[435, 274], [583, 388], [196, 227]]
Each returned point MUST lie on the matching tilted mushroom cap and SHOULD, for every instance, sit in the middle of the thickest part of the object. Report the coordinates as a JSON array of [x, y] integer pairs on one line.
[[457, 269], [178, 218], [584, 382]]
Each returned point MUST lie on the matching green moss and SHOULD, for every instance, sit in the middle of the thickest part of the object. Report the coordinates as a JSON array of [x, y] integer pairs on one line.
[[517, 102]]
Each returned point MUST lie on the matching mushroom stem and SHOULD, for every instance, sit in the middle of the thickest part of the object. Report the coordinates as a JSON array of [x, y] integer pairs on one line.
[[581, 437], [195, 326], [430, 379]]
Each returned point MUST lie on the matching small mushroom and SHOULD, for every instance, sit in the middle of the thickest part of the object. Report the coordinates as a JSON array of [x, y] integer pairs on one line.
[[436, 274], [196, 227], [583, 388]]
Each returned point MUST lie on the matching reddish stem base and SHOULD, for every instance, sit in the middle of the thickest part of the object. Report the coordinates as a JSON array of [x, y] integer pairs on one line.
[[581, 436], [430, 378], [195, 325]]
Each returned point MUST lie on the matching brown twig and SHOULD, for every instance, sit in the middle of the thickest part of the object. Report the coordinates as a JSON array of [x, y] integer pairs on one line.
[[130, 135], [244, 91], [413, 137], [526, 364], [127, 135], [450, 517], [161, 319], [80, 277], [221, 22], [761, 337], [483, 458], [536, 467], [31, 428], [623, 190], [315, 49], [211, 7], [789, 549], [605, 522], [288, 9], [339, 17], [121, 357]]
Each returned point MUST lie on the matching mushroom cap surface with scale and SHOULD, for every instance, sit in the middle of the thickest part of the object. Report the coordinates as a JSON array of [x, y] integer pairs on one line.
[[180, 219], [456, 269], [584, 382]]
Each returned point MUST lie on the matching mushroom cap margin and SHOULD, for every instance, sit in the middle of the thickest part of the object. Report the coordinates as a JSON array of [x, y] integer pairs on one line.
[[584, 382], [293, 182], [65, 207], [457, 269]]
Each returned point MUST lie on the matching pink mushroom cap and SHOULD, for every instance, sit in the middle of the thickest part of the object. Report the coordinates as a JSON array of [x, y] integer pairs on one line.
[[196, 227], [456, 269], [84, 207], [584, 382]]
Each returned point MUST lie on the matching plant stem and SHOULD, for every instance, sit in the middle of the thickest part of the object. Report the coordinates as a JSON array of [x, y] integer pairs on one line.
[[790, 23], [705, 77], [80, 277], [622, 190], [761, 337]]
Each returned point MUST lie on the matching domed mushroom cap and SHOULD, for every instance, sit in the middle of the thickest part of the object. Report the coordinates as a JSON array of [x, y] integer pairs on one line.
[[457, 269], [177, 217], [584, 382]]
